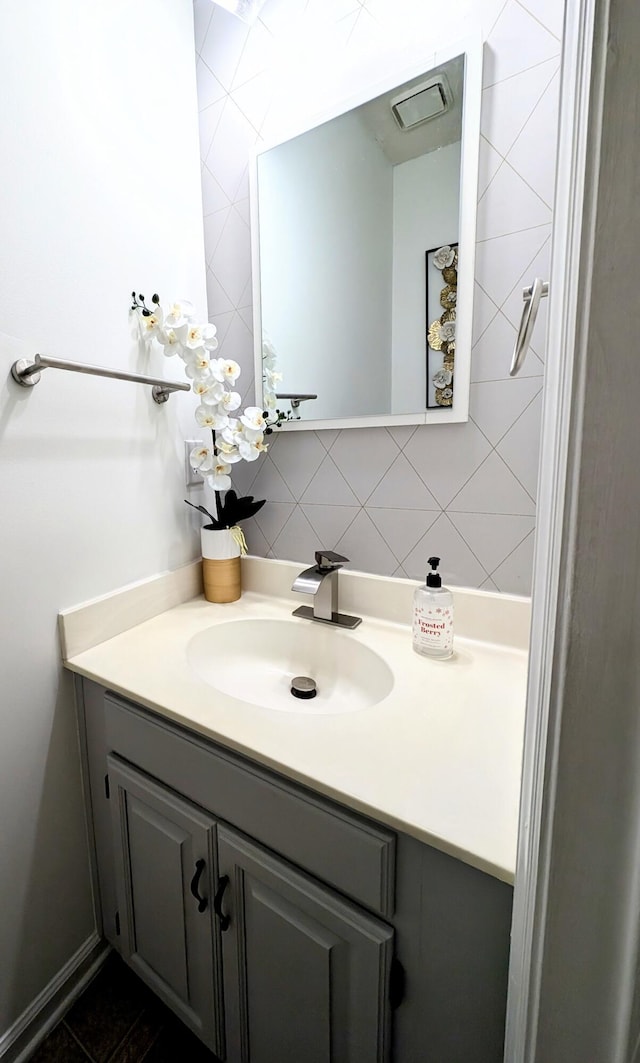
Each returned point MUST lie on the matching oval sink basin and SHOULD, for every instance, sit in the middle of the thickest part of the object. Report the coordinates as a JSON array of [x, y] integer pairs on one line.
[[255, 661]]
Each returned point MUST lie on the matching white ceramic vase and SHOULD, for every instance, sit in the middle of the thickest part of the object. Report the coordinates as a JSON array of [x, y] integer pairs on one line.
[[218, 545]]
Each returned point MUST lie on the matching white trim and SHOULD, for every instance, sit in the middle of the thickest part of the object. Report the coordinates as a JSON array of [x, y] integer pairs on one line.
[[548, 640], [397, 73], [64, 983]]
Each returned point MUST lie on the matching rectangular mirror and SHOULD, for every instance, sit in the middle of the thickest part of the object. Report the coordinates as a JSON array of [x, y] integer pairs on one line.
[[363, 229]]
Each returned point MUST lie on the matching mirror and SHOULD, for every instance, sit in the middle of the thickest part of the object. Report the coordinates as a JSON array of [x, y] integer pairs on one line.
[[363, 228]]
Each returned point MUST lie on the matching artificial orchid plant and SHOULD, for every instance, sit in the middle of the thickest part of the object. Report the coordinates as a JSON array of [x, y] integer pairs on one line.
[[236, 436]]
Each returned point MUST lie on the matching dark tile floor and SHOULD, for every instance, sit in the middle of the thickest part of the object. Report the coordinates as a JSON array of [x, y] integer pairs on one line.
[[118, 1020]]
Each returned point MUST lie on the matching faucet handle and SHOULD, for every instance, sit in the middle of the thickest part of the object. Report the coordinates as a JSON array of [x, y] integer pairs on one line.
[[327, 560]]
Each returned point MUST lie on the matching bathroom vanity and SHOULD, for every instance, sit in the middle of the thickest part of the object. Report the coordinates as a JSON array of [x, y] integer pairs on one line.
[[283, 914]]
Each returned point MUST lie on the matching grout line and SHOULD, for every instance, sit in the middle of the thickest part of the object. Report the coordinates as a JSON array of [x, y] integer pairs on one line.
[[497, 19], [77, 1040], [477, 469], [468, 546], [521, 414], [539, 21], [527, 492], [537, 194], [525, 229], [532, 532], [518, 72]]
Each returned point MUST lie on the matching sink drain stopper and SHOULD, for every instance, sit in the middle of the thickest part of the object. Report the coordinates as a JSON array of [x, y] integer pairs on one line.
[[303, 687]]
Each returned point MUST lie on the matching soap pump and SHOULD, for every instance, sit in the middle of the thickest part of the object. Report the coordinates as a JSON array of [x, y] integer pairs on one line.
[[433, 616]]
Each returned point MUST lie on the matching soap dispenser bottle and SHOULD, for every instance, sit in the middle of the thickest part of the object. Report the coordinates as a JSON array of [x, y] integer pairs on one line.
[[433, 616]]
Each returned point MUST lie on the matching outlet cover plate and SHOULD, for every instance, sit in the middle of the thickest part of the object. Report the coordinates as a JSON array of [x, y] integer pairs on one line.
[[191, 476]]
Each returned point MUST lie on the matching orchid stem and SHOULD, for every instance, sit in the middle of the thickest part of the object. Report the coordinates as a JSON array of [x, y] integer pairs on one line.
[[216, 493]]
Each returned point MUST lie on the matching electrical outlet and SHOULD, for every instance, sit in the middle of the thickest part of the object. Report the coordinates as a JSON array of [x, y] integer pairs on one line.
[[192, 477]]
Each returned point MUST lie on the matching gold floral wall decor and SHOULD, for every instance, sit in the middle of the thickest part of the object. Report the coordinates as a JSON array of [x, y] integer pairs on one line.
[[441, 266]]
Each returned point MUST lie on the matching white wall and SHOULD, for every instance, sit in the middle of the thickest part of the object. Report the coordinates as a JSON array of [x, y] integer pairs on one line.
[[421, 221], [325, 232], [100, 195], [390, 498]]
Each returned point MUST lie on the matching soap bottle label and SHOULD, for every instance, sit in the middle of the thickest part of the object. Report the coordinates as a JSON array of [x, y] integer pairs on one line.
[[433, 628]]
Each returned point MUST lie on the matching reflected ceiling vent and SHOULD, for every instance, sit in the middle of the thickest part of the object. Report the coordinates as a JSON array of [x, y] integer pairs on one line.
[[427, 100]]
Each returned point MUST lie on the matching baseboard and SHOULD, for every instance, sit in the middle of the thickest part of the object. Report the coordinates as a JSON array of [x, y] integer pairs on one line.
[[21, 1039]]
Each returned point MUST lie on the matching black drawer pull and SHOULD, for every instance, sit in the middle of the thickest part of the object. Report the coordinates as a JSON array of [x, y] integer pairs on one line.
[[195, 882], [217, 903]]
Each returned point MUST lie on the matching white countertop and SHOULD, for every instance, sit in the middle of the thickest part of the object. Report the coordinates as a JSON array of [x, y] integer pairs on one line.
[[439, 758]]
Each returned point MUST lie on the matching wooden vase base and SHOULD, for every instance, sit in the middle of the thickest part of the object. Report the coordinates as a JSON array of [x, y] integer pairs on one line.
[[221, 580]]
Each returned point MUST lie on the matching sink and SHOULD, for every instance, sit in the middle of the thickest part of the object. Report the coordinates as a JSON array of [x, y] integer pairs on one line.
[[255, 661]]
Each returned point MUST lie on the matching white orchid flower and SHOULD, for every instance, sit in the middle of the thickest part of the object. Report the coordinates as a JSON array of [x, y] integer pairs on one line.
[[230, 453], [269, 400], [202, 458], [198, 365], [268, 353], [253, 421], [208, 417], [272, 378], [213, 395], [251, 449], [171, 339], [233, 428], [230, 401], [180, 314], [201, 336], [219, 478], [151, 324], [201, 385], [225, 370]]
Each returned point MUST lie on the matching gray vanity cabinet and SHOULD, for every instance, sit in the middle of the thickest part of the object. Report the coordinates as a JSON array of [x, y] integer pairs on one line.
[[164, 865], [306, 973], [281, 926]]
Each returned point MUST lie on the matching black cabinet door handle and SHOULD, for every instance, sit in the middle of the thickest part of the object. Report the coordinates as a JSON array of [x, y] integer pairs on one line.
[[217, 903], [195, 882]]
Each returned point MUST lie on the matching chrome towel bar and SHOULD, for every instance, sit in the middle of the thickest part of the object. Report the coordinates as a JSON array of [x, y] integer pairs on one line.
[[532, 296], [27, 373]]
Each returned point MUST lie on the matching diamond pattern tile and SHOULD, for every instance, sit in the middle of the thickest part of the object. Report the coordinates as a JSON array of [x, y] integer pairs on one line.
[[297, 540], [363, 544], [512, 199], [298, 457], [330, 522], [508, 106], [363, 456], [402, 528], [519, 447], [329, 487], [502, 258], [492, 536], [459, 565], [517, 42], [402, 488], [491, 356], [496, 405], [484, 473], [493, 489], [513, 576], [537, 167], [445, 456]]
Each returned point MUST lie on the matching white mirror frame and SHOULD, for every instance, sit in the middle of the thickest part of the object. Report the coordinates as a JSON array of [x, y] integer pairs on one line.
[[397, 74]]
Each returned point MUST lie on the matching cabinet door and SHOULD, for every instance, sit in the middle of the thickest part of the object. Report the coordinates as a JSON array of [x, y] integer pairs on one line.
[[165, 870], [306, 973]]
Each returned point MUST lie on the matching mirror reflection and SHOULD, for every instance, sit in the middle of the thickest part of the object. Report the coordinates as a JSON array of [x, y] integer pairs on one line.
[[358, 233]]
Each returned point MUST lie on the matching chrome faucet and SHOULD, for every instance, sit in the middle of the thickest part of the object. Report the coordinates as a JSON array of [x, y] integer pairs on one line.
[[321, 580]]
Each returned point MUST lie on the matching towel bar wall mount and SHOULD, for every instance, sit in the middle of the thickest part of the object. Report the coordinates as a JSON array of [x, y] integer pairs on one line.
[[27, 373]]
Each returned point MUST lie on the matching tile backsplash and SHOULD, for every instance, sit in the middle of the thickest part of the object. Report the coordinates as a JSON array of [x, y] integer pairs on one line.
[[388, 498]]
